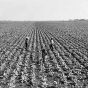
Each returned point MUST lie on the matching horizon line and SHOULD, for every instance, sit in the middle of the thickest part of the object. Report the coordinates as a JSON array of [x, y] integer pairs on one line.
[[47, 20]]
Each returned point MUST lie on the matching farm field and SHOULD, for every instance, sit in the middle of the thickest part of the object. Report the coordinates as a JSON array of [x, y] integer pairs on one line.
[[65, 67]]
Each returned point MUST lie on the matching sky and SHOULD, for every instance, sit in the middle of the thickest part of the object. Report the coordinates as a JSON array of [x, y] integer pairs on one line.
[[43, 10]]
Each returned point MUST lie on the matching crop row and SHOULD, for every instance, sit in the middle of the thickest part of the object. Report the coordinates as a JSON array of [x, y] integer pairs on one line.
[[64, 67]]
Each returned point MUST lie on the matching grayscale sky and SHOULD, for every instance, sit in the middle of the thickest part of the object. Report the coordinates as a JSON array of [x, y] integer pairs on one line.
[[43, 9]]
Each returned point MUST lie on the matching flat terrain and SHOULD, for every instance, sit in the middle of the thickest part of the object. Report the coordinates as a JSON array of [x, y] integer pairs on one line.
[[64, 67]]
